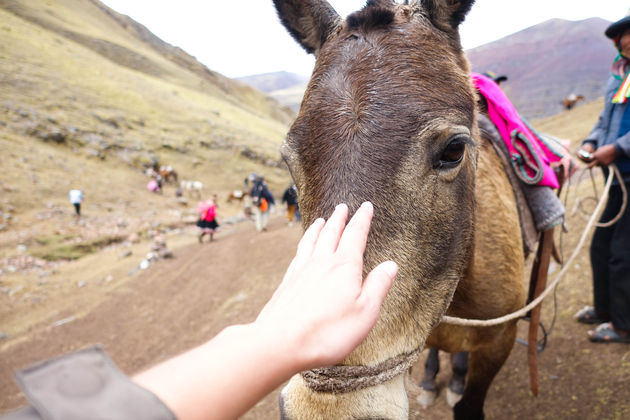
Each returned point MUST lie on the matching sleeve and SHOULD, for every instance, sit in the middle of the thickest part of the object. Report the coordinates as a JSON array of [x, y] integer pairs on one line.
[[84, 384], [622, 145], [598, 132]]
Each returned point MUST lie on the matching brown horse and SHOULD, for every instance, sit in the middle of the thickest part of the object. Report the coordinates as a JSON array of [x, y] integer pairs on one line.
[[571, 100], [238, 195], [389, 116]]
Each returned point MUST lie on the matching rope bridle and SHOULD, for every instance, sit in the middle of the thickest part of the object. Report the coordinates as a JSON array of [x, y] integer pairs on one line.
[[342, 378]]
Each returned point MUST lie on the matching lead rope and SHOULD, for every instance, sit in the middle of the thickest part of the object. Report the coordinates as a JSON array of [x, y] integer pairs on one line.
[[515, 315], [342, 378]]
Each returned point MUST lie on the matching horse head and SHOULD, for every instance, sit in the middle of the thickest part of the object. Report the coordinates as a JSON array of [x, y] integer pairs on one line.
[[388, 116]]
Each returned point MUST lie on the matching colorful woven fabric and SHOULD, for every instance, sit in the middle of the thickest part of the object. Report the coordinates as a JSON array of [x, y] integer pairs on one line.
[[620, 69], [530, 155]]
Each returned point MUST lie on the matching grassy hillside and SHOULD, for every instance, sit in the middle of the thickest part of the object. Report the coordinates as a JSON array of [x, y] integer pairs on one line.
[[72, 76]]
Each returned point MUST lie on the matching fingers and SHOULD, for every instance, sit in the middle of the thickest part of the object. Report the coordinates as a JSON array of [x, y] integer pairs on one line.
[[377, 284], [355, 235], [330, 234], [306, 246]]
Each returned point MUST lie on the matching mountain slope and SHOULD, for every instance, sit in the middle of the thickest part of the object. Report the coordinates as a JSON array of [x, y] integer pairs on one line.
[[549, 61]]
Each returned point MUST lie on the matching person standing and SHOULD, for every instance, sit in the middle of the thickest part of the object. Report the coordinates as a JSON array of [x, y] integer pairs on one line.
[[290, 197], [207, 222], [76, 198], [262, 200], [609, 143]]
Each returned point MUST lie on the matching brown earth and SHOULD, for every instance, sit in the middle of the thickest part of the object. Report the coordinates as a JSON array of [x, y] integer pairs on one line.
[[177, 303]]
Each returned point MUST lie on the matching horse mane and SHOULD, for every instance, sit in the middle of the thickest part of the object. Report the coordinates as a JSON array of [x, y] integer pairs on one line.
[[375, 14]]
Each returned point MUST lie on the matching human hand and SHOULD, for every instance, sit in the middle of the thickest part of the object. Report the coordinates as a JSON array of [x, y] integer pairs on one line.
[[585, 152], [323, 308], [603, 156], [566, 162]]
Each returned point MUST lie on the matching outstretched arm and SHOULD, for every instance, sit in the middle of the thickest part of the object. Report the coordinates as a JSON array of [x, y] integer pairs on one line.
[[320, 312]]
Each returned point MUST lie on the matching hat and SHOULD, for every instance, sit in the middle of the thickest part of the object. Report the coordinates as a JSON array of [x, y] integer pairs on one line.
[[497, 79], [617, 28]]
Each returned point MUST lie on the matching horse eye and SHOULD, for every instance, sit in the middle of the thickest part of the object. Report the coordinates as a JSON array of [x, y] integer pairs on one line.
[[453, 154]]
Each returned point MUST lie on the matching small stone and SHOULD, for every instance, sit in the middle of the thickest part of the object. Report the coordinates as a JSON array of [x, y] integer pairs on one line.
[[109, 279], [81, 283], [21, 248], [144, 264], [125, 254], [3, 335]]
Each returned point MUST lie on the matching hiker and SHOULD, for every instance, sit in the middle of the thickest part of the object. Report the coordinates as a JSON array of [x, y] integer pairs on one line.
[[290, 197], [321, 311], [76, 198], [609, 143], [262, 200], [207, 221]]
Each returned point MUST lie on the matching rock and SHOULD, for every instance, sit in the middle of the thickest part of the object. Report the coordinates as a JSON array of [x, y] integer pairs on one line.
[[166, 253], [63, 321], [81, 284], [109, 279], [17, 289], [144, 264], [44, 274], [21, 248], [125, 254], [133, 238], [3, 335]]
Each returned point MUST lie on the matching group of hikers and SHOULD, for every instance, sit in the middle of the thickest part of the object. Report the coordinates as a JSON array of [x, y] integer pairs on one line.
[[262, 202]]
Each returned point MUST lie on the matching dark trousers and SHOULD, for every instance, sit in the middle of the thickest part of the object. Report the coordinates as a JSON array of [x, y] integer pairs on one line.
[[77, 208], [610, 261]]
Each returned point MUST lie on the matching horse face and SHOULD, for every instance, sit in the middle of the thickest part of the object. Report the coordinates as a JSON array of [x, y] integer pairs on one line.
[[388, 116]]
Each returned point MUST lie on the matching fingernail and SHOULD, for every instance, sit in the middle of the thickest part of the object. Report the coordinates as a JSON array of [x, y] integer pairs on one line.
[[340, 206], [391, 268], [367, 204]]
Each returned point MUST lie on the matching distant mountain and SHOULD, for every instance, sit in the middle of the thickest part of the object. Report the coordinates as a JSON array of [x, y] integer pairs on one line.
[[270, 82], [544, 64], [287, 88], [547, 62]]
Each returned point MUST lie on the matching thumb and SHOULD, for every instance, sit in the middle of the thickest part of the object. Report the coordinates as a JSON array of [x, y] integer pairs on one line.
[[378, 282]]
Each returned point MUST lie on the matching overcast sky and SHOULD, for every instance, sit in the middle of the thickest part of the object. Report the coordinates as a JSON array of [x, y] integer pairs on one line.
[[244, 37]]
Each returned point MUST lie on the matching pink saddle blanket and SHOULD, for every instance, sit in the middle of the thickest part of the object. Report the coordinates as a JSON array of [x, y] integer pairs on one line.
[[530, 155]]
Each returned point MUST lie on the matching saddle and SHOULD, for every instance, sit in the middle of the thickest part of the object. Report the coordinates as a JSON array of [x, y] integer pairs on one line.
[[539, 207]]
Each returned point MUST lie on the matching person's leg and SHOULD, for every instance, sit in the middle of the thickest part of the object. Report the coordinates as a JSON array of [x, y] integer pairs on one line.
[[600, 257], [264, 219], [290, 212], [77, 208], [619, 272], [258, 218]]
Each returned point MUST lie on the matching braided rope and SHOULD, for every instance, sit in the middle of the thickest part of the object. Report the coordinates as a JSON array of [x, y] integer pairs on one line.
[[341, 379]]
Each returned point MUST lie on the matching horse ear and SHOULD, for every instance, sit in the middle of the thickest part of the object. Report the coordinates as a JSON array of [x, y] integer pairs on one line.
[[310, 22], [447, 14]]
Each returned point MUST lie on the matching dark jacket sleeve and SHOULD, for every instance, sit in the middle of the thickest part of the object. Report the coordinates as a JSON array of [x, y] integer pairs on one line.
[[84, 385]]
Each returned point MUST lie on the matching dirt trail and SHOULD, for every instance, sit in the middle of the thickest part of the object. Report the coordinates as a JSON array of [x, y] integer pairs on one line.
[[182, 302]]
